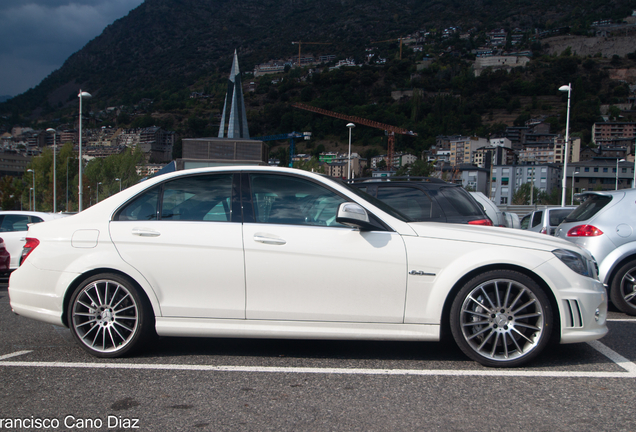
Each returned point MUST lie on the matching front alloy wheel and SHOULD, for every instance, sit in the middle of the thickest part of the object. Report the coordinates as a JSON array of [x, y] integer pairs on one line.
[[107, 316], [501, 318]]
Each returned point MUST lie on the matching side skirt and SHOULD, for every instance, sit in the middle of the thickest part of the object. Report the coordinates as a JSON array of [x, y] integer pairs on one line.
[[264, 329]]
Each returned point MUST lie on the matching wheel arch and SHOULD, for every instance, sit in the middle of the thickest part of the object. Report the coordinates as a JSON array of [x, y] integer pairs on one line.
[[84, 276], [445, 331], [616, 266]]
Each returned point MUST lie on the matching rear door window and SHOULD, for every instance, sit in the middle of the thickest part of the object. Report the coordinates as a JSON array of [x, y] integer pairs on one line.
[[193, 198], [536, 218], [592, 205]]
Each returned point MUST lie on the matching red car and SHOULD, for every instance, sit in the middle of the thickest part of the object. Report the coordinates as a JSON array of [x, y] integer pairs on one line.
[[5, 258]]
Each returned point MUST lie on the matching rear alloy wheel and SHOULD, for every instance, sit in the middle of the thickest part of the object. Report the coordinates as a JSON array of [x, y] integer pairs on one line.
[[501, 318], [108, 317], [623, 289]]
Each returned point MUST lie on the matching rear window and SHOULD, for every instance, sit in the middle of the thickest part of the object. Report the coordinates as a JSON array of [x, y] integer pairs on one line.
[[461, 203], [592, 205], [557, 216]]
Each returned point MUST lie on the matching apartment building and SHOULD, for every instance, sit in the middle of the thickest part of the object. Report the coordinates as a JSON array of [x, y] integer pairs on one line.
[[154, 142], [608, 131], [506, 180], [485, 157], [462, 149], [550, 151], [600, 174], [399, 160]]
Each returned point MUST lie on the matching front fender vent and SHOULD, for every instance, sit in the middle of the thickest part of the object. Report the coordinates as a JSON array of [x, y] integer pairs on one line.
[[573, 316]]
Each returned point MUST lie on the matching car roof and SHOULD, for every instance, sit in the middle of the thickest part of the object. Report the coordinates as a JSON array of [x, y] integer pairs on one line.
[[426, 182]]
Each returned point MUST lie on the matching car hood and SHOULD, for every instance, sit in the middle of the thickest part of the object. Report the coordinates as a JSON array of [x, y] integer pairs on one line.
[[491, 235]]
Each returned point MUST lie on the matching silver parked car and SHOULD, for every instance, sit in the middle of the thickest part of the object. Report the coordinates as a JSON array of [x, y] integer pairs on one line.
[[605, 224], [545, 220]]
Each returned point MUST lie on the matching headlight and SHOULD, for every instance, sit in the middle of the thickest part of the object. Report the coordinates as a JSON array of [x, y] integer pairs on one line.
[[577, 262]]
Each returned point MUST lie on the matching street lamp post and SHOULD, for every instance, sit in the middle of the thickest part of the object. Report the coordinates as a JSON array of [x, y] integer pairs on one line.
[[350, 126], [51, 130], [33, 172], [67, 182], [567, 88], [532, 186], [81, 95], [617, 161], [97, 199], [574, 171], [119, 180]]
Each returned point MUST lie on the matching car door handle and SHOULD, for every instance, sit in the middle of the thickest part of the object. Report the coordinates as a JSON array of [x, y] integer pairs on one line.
[[143, 232], [269, 240]]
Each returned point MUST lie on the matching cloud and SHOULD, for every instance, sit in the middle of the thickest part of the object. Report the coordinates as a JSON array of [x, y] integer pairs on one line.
[[37, 36]]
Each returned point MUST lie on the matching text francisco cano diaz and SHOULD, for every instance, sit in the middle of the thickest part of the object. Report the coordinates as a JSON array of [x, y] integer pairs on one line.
[[69, 422]]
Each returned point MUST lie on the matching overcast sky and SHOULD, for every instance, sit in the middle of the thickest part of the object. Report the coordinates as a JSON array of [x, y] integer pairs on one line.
[[37, 36]]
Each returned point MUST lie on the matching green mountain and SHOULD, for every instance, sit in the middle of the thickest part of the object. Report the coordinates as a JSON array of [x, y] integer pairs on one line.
[[164, 49]]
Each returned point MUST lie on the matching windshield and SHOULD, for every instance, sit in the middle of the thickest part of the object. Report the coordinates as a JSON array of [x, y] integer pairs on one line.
[[592, 205], [376, 202]]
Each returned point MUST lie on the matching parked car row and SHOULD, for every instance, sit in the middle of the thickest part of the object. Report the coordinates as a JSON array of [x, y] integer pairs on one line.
[[545, 220], [268, 252]]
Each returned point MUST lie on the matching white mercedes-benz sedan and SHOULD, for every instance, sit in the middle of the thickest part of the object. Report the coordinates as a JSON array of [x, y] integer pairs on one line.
[[262, 252]]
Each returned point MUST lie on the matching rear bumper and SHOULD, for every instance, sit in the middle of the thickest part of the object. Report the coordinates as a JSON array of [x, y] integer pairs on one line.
[[32, 293]]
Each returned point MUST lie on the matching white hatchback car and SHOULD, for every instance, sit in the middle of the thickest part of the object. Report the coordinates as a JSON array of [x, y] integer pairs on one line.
[[264, 252], [13, 229]]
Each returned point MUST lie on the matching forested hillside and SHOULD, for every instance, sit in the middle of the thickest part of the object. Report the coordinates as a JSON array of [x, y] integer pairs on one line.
[[148, 63]]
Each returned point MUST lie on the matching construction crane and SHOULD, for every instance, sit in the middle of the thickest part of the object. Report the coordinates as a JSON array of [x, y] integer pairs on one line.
[[307, 43], [390, 130], [288, 136], [392, 40]]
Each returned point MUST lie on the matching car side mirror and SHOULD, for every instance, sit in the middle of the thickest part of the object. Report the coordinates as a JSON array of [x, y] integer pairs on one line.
[[353, 215]]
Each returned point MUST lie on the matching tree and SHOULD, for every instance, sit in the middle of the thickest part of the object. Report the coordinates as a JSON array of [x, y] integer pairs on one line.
[[8, 193], [522, 195], [419, 168], [312, 165]]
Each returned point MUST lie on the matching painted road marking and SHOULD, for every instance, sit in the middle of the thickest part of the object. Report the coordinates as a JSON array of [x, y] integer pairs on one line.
[[15, 354], [628, 366]]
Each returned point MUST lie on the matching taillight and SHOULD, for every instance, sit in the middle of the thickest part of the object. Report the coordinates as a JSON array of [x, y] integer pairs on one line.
[[584, 231], [29, 246], [543, 231], [486, 222]]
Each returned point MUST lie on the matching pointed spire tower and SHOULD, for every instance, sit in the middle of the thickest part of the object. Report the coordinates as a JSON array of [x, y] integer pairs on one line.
[[234, 119]]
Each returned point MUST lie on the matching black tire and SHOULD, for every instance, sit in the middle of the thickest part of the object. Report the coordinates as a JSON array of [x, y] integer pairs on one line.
[[501, 318], [109, 317], [623, 288]]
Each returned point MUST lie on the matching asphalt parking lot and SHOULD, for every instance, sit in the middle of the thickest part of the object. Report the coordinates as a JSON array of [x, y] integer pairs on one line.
[[231, 384]]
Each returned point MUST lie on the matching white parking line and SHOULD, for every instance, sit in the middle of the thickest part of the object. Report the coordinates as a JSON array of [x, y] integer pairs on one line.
[[15, 354], [622, 320], [621, 361]]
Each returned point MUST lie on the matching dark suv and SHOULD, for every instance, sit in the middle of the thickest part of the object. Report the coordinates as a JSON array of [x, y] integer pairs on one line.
[[425, 199]]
